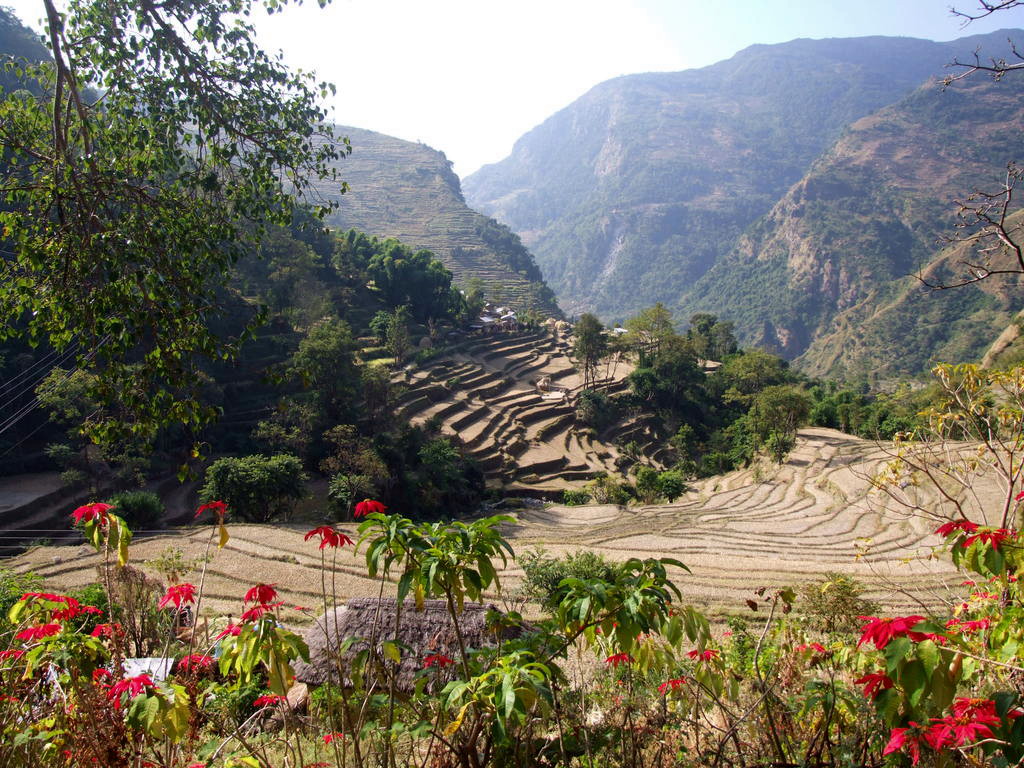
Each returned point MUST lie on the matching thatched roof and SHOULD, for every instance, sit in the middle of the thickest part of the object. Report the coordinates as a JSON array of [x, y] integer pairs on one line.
[[421, 634]]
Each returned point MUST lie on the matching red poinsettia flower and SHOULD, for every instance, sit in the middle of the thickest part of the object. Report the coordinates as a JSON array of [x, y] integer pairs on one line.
[[816, 647], [329, 737], [97, 511], [38, 633], [700, 655], [881, 631], [11, 653], [438, 659], [219, 508], [261, 593], [966, 526], [267, 699], [956, 731], [232, 630], [106, 630], [196, 662], [257, 612], [100, 674], [329, 537], [671, 685], [619, 658], [984, 595], [966, 627], [368, 506], [992, 537], [909, 738], [179, 595], [873, 683], [133, 686]]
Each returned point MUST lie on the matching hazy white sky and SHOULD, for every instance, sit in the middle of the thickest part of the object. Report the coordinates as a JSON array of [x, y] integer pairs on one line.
[[470, 76]]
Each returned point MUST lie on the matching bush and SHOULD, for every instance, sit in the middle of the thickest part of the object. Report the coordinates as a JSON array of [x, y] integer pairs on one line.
[[542, 573], [574, 497], [256, 488], [834, 604], [606, 490], [647, 488], [595, 409], [12, 586], [142, 510]]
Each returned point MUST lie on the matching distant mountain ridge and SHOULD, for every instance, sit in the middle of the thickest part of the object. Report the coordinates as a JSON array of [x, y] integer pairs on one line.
[[651, 187], [408, 191]]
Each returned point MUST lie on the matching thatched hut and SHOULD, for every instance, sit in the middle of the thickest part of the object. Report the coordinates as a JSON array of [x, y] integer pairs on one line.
[[421, 634]]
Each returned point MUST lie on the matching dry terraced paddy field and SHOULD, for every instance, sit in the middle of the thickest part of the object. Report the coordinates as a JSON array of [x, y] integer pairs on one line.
[[765, 526]]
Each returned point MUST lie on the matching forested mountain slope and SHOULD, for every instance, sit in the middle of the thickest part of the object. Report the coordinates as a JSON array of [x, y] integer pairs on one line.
[[408, 191], [827, 276], [634, 192]]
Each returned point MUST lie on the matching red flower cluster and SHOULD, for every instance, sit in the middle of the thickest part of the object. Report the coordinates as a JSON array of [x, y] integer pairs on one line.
[[232, 630], [219, 508], [881, 631], [71, 607], [197, 662], [133, 686], [671, 685], [816, 647], [179, 594], [329, 737], [258, 611], [700, 655], [368, 506], [438, 659], [12, 653], [98, 512], [967, 627], [971, 721], [873, 683], [261, 593], [619, 658], [966, 526], [991, 537], [106, 630], [267, 699], [329, 537], [38, 633]]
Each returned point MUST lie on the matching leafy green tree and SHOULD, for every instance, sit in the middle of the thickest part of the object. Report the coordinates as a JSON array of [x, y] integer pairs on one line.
[[256, 488], [325, 361], [671, 484], [647, 488], [649, 332], [399, 343], [414, 279], [142, 510], [123, 214], [779, 410], [589, 346], [742, 376]]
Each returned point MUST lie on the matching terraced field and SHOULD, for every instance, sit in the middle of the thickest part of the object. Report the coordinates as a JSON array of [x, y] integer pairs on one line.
[[816, 513], [526, 441]]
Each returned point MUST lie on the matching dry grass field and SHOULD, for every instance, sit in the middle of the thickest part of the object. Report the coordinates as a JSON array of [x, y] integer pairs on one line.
[[764, 526]]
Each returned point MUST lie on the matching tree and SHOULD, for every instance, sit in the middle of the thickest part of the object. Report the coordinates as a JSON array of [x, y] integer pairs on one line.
[[325, 362], [123, 212], [256, 488], [398, 339], [589, 346], [649, 331]]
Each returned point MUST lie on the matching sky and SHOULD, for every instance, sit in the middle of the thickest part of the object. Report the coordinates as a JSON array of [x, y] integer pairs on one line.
[[469, 77]]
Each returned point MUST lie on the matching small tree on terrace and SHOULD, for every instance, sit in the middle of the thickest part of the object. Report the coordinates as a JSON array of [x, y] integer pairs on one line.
[[256, 488], [589, 347]]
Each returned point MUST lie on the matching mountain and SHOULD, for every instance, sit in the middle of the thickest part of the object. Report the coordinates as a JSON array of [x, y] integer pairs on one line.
[[408, 191], [827, 277], [649, 186]]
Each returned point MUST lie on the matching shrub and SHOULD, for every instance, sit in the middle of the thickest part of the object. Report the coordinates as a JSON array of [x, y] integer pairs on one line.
[[574, 497], [12, 586], [542, 573], [647, 488], [606, 490], [834, 604], [256, 488], [142, 510]]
